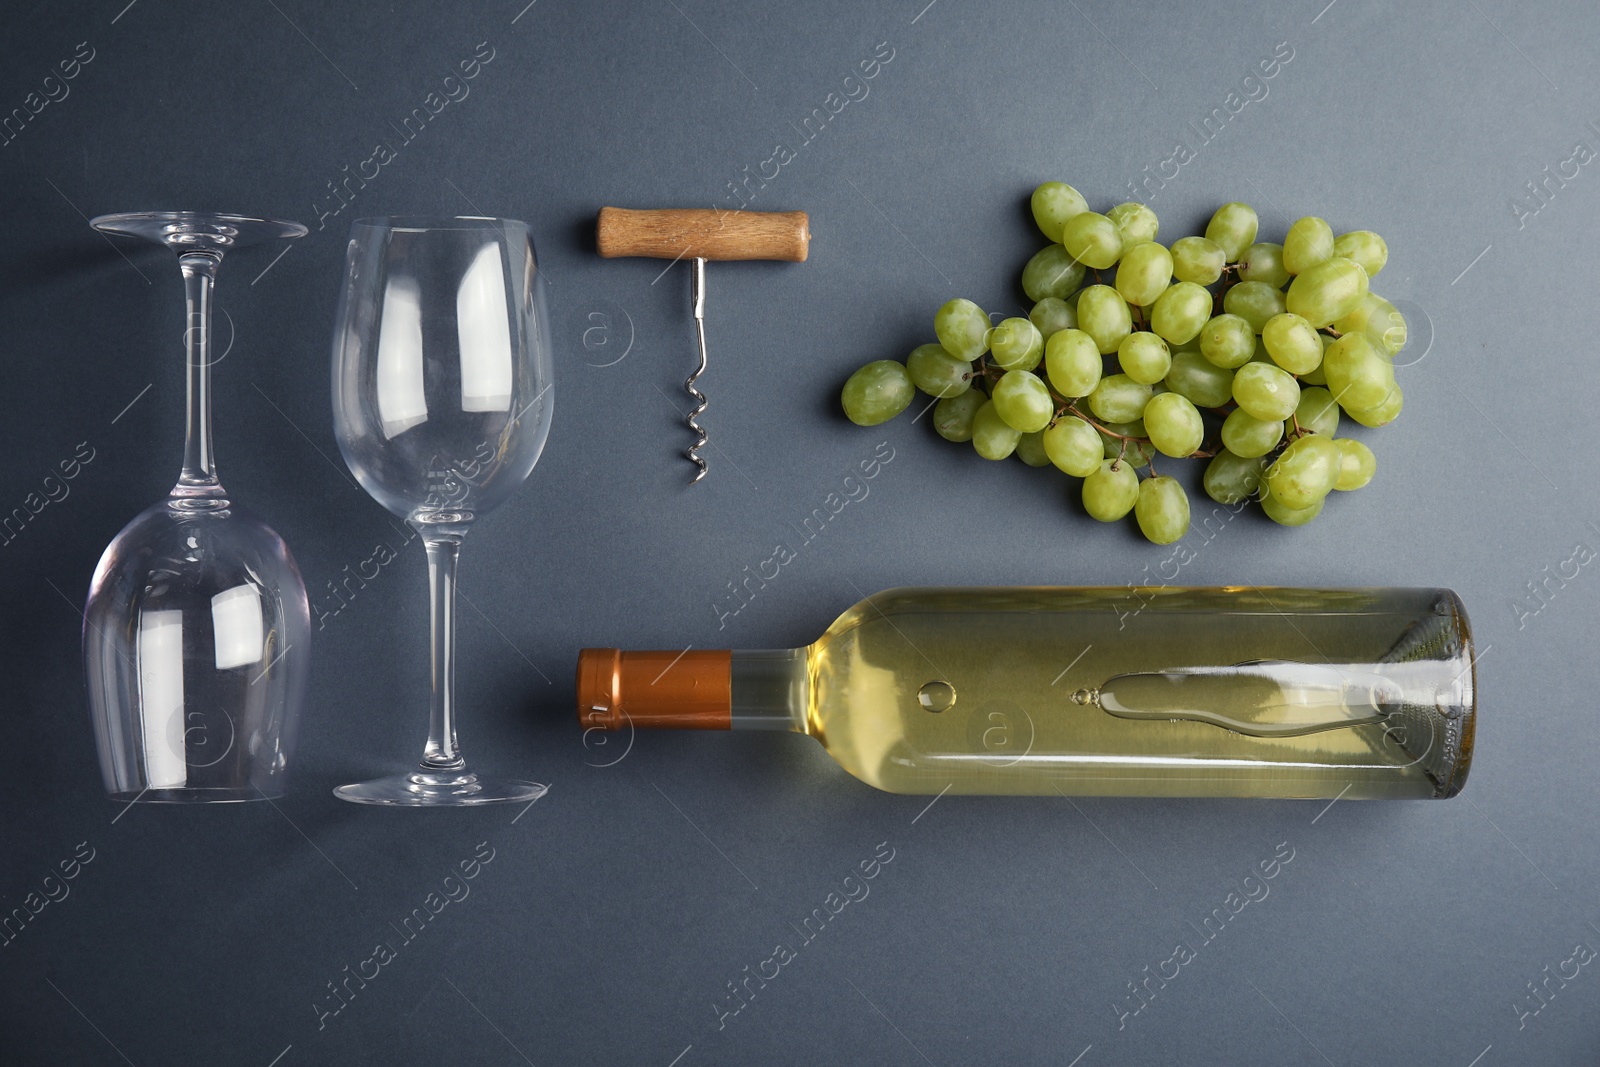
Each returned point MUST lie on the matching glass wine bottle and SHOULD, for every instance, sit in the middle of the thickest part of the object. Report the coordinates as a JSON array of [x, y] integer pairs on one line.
[[1236, 691]]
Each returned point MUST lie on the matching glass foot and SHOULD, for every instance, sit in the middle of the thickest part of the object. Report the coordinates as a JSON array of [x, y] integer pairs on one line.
[[184, 231], [423, 790]]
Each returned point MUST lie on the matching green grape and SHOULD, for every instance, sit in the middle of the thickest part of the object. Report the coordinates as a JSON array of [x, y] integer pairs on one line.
[[1380, 320], [1234, 228], [1197, 259], [1245, 435], [1072, 362], [1022, 400], [1358, 377], [877, 392], [1365, 247], [1073, 446], [1318, 375], [1357, 464], [938, 373], [952, 416], [1265, 391], [1051, 272], [1173, 425], [1030, 449], [1382, 414], [1016, 344], [962, 328], [1162, 510], [1304, 472], [992, 436], [1178, 313], [1231, 478], [1309, 242], [1144, 273], [1053, 204], [1093, 239], [1255, 302], [1193, 376], [1135, 222], [1126, 440], [1317, 412], [1111, 490], [1104, 315], [1292, 343], [1144, 357], [1263, 262], [1287, 516], [1227, 341], [1118, 398], [1327, 291], [1052, 315]]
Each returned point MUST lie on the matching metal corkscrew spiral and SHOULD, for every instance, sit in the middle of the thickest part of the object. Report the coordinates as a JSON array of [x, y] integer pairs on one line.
[[697, 296], [701, 234]]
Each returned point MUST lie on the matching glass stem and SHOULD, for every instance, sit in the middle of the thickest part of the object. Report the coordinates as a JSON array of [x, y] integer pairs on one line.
[[199, 477], [442, 753]]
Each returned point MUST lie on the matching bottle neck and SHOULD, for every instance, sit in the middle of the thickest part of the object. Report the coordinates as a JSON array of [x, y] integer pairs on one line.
[[770, 690], [693, 689]]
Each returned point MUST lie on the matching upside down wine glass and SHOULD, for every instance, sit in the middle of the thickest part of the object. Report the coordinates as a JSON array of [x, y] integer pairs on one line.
[[441, 405], [196, 635]]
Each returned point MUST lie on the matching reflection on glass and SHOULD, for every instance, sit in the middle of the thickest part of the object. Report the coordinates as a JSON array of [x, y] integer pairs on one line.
[[1261, 698], [236, 626], [484, 330], [402, 403], [161, 692]]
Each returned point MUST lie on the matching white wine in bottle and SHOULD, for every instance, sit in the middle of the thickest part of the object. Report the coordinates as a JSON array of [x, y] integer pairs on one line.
[[1237, 691]]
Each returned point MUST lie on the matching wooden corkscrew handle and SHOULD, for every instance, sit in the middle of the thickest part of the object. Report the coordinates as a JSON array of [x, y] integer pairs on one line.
[[704, 233]]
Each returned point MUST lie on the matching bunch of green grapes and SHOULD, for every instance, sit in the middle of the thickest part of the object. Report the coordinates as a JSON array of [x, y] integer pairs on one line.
[[1220, 347]]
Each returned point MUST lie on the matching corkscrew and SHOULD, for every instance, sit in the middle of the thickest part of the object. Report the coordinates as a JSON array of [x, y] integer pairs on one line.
[[699, 235]]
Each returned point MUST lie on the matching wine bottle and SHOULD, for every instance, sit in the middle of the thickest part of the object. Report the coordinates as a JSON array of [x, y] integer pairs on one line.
[[1237, 691]]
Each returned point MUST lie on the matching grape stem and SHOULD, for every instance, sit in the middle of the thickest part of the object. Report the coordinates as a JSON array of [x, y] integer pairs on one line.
[[1068, 406]]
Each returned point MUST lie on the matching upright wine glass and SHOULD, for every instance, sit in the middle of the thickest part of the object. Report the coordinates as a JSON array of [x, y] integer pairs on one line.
[[441, 404], [196, 636]]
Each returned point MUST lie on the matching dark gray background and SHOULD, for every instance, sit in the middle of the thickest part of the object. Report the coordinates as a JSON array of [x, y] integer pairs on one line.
[[616, 909]]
